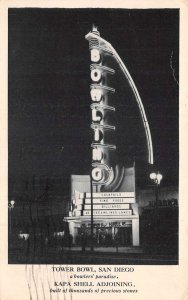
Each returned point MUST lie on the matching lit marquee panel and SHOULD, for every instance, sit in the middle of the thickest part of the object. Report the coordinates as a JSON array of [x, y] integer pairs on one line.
[[127, 212], [118, 203]]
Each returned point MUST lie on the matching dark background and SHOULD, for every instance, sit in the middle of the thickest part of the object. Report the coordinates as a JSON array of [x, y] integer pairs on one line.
[[49, 100]]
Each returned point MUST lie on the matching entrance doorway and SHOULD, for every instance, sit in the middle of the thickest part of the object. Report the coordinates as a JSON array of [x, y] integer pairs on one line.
[[103, 236], [124, 235]]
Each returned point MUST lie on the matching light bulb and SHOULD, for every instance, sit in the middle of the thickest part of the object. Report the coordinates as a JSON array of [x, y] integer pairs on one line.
[[152, 176]]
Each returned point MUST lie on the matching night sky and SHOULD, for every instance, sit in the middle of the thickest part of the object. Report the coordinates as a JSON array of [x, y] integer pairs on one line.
[[49, 78]]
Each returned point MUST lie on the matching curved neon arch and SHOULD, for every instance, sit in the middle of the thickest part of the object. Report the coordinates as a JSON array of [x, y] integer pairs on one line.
[[106, 46]]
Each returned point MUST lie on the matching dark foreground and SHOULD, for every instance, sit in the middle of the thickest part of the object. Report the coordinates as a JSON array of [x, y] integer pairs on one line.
[[100, 255]]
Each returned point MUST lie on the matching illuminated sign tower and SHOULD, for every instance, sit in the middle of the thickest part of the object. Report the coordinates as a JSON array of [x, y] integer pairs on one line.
[[102, 173], [104, 202]]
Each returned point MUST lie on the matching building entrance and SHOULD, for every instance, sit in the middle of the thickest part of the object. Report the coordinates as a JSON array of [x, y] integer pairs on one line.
[[115, 214], [107, 236], [103, 236], [124, 236]]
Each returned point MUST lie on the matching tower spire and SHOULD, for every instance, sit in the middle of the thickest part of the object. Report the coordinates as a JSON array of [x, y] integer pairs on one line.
[[95, 30]]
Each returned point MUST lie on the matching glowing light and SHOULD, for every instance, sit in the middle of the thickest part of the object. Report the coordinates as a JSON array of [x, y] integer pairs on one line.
[[97, 115], [107, 173], [152, 176], [98, 135], [109, 47], [96, 75], [156, 177], [95, 55], [96, 95], [159, 178], [11, 204], [97, 174], [97, 154], [24, 236], [94, 28]]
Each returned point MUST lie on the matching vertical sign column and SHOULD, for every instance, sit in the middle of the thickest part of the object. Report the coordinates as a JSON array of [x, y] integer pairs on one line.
[[101, 172]]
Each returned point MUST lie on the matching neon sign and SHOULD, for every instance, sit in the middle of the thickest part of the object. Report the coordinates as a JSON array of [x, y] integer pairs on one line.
[[98, 48], [101, 172]]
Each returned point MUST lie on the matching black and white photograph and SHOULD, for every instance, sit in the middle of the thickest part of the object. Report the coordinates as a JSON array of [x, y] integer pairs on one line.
[[93, 136]]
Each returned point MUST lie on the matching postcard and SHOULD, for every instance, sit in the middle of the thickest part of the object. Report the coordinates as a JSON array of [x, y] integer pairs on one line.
[[94, 139]]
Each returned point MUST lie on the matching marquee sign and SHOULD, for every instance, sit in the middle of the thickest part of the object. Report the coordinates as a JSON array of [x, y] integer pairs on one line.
[[110, 200], [127, 212], [107, 206], [111, 194]]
